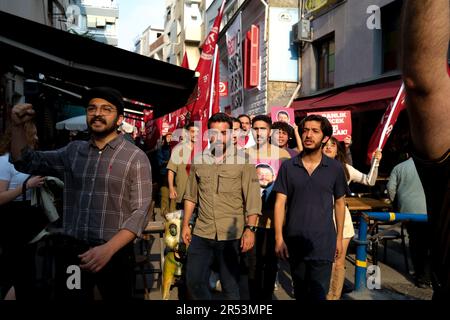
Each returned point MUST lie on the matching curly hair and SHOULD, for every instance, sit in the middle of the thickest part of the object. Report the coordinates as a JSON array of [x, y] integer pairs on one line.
[[325, 125]]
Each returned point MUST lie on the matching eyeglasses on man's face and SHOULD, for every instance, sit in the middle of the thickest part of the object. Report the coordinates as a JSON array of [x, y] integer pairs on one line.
[[103, 109]]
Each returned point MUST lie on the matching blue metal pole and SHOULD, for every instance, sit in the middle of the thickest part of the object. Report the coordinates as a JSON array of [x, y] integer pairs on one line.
[[361, 255], [392, 216]]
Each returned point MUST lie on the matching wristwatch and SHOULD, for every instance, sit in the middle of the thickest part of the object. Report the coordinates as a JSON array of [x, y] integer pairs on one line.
[[251, 228]]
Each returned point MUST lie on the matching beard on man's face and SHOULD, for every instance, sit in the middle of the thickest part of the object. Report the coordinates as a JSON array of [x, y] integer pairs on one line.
[[108, 129], [218, 148], [310, 145]]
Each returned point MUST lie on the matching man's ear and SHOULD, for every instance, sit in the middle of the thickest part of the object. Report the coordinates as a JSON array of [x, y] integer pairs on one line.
[[325, 139]]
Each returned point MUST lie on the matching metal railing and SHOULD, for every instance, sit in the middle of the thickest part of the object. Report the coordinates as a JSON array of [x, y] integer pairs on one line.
[[363, 241]]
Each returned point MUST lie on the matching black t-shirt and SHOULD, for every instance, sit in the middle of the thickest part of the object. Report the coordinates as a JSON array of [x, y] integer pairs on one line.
[[435, 177], [310, 203]]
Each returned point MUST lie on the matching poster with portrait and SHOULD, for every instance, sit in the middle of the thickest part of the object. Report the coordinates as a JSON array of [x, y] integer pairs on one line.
[[283, 114], [267, 166]]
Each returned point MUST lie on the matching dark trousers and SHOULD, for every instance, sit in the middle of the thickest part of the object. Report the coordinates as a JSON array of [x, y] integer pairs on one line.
[[262, 265], [201, 254], [311, 278], [24, 269], [419, 245], [114, 282]]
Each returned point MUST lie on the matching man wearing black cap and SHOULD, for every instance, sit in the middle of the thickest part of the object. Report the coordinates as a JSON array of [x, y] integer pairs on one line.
[[107, 194]]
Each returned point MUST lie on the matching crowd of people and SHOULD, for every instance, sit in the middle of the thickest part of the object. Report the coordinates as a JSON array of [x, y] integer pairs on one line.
[[259, 192]]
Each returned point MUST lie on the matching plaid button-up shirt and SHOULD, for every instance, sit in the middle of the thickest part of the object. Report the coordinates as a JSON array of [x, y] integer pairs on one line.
[[105, 190]]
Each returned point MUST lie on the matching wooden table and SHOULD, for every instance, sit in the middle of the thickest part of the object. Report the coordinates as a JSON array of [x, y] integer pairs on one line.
[[366, 204]]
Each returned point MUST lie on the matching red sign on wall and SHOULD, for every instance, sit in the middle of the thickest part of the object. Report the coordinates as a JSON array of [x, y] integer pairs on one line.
[[223, 88], [340, 120]]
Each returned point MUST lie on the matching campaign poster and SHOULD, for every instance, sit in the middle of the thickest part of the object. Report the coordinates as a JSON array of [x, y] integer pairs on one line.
[[283, 114]]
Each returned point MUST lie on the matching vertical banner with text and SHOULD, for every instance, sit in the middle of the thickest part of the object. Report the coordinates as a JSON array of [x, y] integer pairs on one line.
[[235, 75]]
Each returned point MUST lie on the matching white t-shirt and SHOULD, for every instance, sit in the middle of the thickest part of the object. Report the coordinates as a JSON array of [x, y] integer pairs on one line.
[[359, 177], [10, 174]]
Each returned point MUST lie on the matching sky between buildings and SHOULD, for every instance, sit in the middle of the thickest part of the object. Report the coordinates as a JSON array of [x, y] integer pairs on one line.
[[135, 16]]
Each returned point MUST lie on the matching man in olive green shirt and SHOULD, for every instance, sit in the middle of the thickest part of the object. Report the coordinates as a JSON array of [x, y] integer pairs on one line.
[[224, 186], [178, 168]]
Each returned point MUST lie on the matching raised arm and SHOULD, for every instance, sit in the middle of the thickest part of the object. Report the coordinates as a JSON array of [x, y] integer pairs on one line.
[[20, 114], [425, 34]]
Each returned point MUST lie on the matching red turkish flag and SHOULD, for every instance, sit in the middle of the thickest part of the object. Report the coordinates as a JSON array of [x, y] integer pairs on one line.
[[384, 128], [200, 107]]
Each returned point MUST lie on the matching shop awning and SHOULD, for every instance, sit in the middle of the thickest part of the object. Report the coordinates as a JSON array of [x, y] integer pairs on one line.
[[77, 63], [351, 96], [307, 102]]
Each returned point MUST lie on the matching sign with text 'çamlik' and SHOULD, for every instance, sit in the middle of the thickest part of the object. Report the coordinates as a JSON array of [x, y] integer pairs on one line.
[[340, 120]]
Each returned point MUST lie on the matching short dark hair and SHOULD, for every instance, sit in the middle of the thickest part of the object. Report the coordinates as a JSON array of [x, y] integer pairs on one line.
[[325, 125], [283, 112], [265, 166], [245, 115], [262, 117], [281, 125], [220, 117], [111, 95], [233, 119], [189, 125]]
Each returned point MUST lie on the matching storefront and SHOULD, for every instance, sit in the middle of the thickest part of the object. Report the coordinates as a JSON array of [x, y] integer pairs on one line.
[[367, 103]]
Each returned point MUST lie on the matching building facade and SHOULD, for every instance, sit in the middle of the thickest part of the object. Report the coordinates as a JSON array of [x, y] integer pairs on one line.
[[352, 41], [349, 53], [183, 30], [143, 44], [258, 60], [96, 19], [50, 13]]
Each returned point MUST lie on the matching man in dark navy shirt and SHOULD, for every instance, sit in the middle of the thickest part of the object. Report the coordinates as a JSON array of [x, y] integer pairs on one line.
[[310, 186]]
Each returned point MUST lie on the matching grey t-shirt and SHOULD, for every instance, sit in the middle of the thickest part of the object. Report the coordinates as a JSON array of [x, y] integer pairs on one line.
[[405, 185]]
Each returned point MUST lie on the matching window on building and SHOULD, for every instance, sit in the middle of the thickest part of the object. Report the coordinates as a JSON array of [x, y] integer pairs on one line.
[[325, 66], [168, 13], [390, 29]]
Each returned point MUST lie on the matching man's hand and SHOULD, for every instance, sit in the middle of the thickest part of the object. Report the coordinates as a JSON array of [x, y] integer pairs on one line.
[[281, 249], [96, 258], [35, 182], [186, 234], [22, 113], [247, 240], [173, 193], [339, 249], [377, 155]]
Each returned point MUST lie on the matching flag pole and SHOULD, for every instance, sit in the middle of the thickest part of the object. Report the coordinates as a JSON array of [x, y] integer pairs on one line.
[[394, 106], [213, 87]]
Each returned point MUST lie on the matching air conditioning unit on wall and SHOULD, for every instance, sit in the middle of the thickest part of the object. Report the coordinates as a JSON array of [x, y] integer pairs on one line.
[[302, 31]]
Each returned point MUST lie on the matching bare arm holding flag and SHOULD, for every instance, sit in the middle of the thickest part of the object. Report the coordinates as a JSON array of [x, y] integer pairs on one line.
[[425, 36]]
